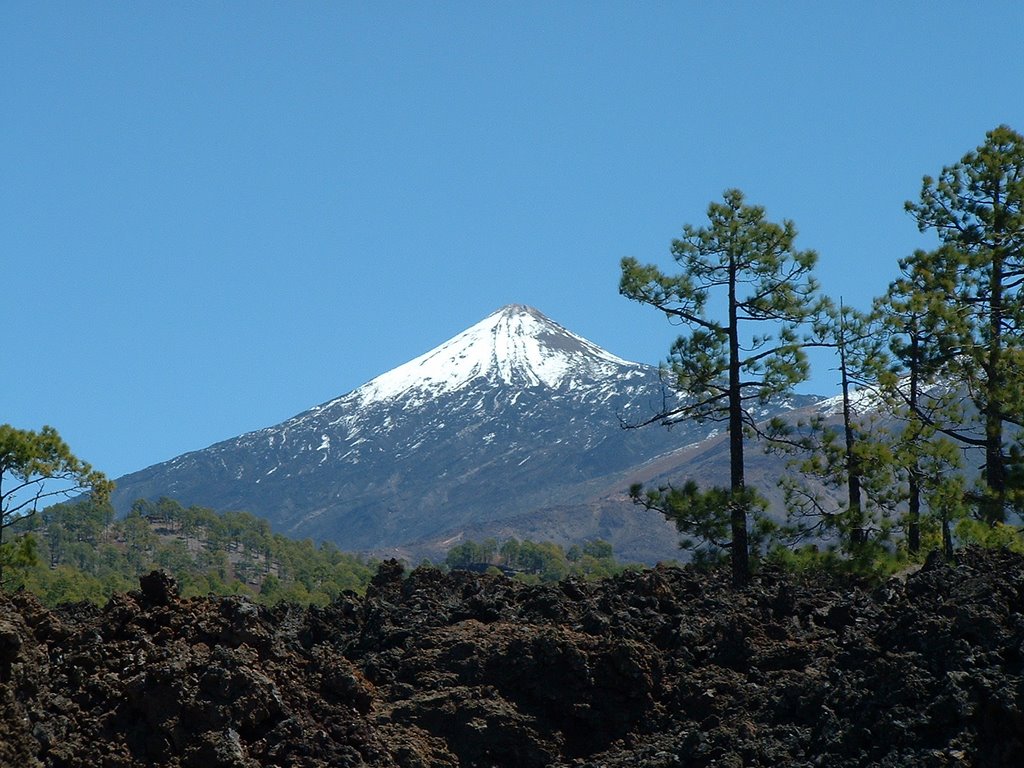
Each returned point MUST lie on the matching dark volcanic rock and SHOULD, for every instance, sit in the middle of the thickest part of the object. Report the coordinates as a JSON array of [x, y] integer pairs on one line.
[[665, 667], [159, 588]]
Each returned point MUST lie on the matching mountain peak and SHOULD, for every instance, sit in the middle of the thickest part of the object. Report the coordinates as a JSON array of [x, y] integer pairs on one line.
[[518, 309], [515, 346]]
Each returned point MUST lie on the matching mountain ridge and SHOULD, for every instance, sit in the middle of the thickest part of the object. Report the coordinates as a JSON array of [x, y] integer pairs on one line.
[[515, 418]]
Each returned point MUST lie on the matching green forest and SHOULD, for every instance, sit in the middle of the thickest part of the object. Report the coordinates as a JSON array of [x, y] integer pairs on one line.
[[78, 551]]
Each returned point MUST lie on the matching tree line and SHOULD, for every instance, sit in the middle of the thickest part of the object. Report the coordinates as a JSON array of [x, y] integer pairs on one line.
[[927, 435], [78, 551], [536, 562]]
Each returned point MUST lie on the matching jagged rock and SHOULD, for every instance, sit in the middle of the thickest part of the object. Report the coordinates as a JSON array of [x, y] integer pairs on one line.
[[10, 644], [667, 667], [159, 588]]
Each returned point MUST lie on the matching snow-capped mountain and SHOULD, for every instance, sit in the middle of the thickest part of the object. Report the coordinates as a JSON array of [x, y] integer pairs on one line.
[[516, 347], [512, 427]]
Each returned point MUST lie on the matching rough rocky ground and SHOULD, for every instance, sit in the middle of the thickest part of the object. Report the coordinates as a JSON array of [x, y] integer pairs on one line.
[[666, 667]]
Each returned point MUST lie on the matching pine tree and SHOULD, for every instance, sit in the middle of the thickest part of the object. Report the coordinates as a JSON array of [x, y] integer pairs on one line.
[[725, 366], [975, 208], [854, 343], [845, 451], [913, 315], [36, 467]]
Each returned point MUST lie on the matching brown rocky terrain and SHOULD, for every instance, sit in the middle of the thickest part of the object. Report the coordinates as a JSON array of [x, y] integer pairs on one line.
[[666, 667]]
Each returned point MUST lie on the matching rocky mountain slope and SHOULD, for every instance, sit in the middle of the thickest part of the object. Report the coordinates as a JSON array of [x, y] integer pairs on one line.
[[659, 668], [511, 428]]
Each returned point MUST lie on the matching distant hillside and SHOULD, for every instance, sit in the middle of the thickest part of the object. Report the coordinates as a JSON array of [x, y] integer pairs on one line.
[[83, 553]]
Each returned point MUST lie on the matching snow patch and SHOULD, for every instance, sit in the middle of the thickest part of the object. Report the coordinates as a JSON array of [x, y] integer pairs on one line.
[[862, 400], [516, 346]]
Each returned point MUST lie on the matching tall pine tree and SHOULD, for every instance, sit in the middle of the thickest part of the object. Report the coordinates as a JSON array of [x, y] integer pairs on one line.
[[916, 319], [975, 208], [749, 269], [842, 453]]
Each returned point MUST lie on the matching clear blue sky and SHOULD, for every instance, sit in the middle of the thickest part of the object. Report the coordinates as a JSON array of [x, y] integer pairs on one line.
[[216, 215]]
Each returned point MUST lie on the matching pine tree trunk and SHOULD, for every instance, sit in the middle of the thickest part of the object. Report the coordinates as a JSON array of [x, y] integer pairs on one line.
[[913, 481], [737, 486], [914, 513], [855, 511], [994, 505]]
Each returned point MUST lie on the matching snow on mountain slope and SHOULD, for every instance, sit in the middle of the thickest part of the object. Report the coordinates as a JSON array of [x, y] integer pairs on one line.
[[513, 352], [862, 400], [516, 346]]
